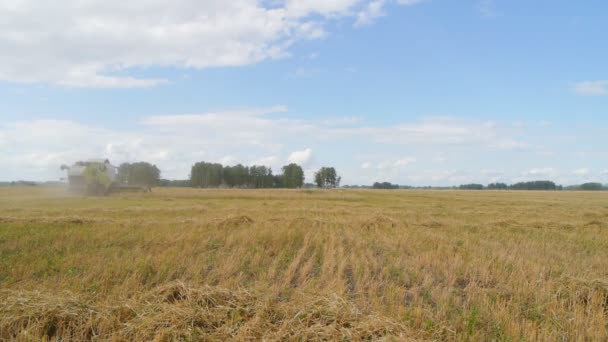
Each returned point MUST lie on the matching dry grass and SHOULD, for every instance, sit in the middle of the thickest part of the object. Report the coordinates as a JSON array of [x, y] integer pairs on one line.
[[277, 264], [178, 312]]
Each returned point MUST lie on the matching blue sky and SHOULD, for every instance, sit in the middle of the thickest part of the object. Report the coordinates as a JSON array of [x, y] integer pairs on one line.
[[414, 92]]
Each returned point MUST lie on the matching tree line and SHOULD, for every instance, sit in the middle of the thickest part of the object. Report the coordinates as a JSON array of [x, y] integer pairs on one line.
[[214, 175], [139, 174], [534, 185], [588, 187]]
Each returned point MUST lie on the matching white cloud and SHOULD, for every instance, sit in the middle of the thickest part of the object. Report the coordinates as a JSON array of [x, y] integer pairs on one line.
[[491, 176], [197, 119], [404, 162], [34, 149], [442, 177], [381, 170], [491, 172], [409, 2], [541, 172], [592, 88], [301, 157], [97, 43], [299, 8], [271, 161], [373, 10], [581, 172], [340, 121], [228, 160], [410, 150], [510, 145], [486, 8], [440, 158]]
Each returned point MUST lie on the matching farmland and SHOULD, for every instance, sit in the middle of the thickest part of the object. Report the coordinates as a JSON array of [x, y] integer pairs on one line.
[[303, 264]]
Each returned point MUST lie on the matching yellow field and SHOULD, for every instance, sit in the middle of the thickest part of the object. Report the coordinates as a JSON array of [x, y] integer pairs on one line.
[[278, 264]]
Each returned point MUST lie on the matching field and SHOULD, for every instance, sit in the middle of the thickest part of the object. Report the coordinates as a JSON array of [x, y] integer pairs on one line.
[[304, 264]]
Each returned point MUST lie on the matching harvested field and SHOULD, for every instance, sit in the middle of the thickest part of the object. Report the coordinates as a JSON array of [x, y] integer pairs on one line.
[[188, 264]]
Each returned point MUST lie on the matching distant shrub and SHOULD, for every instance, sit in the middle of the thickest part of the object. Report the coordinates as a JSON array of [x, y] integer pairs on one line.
[[591, 187], [535, 185], [497, 186], [385, 185], [471, 187]]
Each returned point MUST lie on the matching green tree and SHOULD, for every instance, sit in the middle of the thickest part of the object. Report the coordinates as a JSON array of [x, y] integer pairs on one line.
[[327, 177], [471, 187], [293, 176], [497, 186], [139, 174], [206, 175], [261, 177], [385, 185], [535, 185], [592, 187]]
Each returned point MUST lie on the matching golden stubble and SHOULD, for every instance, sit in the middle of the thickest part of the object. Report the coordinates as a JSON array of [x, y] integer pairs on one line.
[[304, 264]]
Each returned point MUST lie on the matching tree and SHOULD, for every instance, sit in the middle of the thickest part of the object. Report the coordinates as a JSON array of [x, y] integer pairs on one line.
[[139, 174], [293, 176], [210, 175], [592, 187], [327, 177], [236, 176], [471, 187], [536, 185], [206, 175], [261, 177], [385, 185], [497, 186]]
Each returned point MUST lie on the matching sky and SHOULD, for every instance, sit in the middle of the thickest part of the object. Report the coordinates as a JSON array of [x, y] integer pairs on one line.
[[414, 92]]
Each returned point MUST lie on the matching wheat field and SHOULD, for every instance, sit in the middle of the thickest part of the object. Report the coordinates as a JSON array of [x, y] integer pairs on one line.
[[190, 264]]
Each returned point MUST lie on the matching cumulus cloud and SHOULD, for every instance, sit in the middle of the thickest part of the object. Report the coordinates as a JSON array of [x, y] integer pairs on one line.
[[381, 170], [301, 157], [199, 119], [442, 177], [372, 11], [511, 145], [548, 172], [404, 162], [34, 149], [581, 172], [228, 160], [96, 43], [592, 88], [409, 2], [272, 161], [486, 8], [388, 164]]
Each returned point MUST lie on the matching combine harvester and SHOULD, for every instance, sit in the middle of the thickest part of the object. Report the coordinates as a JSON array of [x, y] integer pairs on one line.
[[96, 177]]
